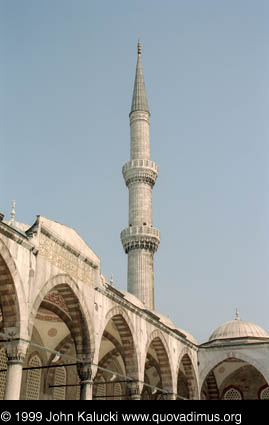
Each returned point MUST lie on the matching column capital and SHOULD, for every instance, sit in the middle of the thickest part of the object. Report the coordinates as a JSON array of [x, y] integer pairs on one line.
[[16, 351], [84, 371]]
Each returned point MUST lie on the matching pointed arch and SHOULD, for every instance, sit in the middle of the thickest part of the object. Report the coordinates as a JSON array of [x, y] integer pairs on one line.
[[81, 327], [11, 290], [125, 329], [158, 342], [192, 382], [222, 356]]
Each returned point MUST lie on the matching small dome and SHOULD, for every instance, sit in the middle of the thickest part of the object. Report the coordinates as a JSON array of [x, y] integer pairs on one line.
[[132, 299], [238, 329]]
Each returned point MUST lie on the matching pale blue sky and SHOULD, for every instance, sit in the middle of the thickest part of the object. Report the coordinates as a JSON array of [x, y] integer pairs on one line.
[[66, 77]]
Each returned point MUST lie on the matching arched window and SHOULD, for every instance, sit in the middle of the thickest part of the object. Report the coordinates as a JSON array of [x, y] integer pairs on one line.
[[3, 375], [264, 395], [101, 390], [33, 379], [232, 394], [117, 391], [59, 379]]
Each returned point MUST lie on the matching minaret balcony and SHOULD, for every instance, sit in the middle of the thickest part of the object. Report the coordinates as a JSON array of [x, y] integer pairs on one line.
[[140, 237], [140, 171]]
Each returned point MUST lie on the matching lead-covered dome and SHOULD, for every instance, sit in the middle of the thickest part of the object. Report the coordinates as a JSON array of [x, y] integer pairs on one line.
[[238, 329]]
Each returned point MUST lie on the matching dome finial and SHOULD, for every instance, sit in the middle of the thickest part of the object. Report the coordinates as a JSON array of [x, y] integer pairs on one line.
[[237, 315], [138, 47]]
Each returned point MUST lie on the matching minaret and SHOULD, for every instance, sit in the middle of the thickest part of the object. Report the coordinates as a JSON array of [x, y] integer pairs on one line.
[[140, 240]]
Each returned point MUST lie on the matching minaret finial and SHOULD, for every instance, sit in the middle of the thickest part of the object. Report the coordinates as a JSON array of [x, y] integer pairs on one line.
[[237, 315], [139, 100], [12, 214], [139, 47]]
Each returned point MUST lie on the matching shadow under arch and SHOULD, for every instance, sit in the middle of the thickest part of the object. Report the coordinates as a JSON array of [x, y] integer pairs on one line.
[[190, 374], [66, 345], [222, 357], [12, 293], [125, 329], [158, 342], [80, 323]]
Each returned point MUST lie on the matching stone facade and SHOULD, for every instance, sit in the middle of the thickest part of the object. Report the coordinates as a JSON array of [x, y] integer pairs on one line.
[[68, 333], [48, 306]]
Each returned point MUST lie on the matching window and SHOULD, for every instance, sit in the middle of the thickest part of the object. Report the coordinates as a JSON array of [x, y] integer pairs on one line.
[[33, 379], [3, 375], [264, 395], [117, 391], [59, 379], [232, 394], [101, 390]]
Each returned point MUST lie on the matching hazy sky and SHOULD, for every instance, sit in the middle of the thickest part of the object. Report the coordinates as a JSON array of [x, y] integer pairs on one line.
[[67, 70]]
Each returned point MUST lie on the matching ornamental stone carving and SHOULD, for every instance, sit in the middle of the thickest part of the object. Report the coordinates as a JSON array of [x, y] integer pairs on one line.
[[140, 237], [66, 259], [140, 171], [16, 351]]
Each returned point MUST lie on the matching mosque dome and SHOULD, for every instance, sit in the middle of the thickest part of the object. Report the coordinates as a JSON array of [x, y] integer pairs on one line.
[[238, 329]]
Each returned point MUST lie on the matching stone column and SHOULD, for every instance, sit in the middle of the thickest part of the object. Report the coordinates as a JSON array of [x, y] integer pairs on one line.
[[134, 391], [15, 352], [171, 396], [86, 381]]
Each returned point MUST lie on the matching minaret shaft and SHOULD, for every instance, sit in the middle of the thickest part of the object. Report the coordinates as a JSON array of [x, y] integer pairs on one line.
[[139, 129], [140, 240], [140, 204]]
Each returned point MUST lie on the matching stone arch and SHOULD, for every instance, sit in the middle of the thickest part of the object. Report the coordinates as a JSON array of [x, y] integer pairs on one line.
[[222, 356], [80, 323], [62, 314], [158, 342], [64, 345], [192, 382], [118, 311], [11, 290], [125, 329], [153, 362]]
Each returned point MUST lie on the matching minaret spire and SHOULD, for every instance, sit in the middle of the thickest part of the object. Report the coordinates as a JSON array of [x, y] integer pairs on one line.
[[138, 47], [140, 240], [139, 100]]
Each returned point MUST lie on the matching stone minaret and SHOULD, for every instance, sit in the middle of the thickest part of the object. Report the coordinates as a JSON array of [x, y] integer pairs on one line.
[[140, 240]]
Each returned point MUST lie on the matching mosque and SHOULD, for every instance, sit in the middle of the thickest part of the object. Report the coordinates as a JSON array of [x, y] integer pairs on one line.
[[67, 333]]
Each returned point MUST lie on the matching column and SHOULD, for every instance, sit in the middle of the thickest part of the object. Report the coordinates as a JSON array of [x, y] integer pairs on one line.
[[134, 391], [16, 352], [86, 380]]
